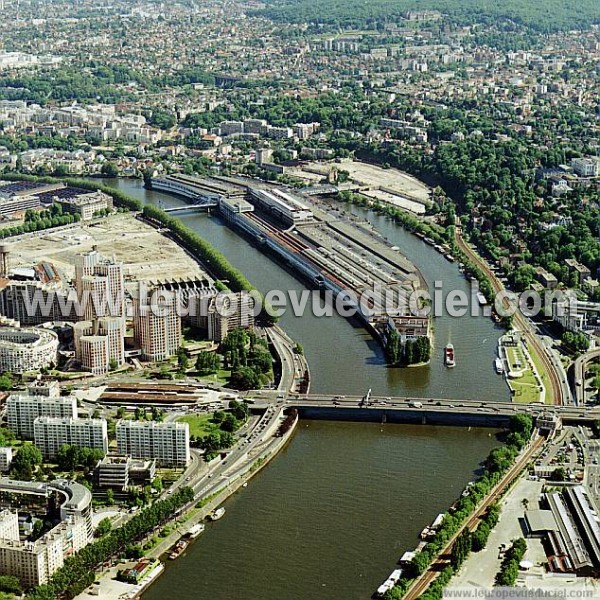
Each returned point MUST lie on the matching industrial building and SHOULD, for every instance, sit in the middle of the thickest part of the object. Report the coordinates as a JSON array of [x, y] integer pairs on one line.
[[282, 206], [168, 443], [568, 523]]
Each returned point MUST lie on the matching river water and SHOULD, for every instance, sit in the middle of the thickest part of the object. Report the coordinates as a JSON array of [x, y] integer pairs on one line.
[[331, 515], [342, 356]]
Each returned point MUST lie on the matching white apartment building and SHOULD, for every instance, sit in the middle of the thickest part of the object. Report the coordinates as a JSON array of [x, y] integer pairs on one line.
[[23, 410], [9, 525], [6, 456], [33, 563], [30, 349], [168, 443], [50, 433]]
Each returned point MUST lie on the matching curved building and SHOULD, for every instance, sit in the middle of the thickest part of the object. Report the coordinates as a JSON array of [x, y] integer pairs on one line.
[[27, 349]]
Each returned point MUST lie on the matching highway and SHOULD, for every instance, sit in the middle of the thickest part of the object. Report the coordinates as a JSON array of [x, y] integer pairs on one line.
[[439, 406]]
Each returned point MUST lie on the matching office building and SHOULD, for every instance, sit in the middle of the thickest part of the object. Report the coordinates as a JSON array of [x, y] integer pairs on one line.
[[168, 443], [113, 472], [23, 410], [50, 433]]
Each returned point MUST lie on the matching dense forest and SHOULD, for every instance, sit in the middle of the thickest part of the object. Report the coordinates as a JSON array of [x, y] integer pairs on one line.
[[539, 15]]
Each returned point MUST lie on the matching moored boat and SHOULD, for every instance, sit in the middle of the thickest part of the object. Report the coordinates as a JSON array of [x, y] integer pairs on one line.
[[178, 549], [196, 530], [217, 514]]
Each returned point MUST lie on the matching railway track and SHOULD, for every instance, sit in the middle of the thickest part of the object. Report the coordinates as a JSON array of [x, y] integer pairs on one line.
[[428, 577], [519, 318]]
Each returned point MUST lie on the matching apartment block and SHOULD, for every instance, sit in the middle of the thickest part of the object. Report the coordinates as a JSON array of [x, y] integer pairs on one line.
[[168, 443], [6, 456], [228, 312], [22, 411], [157, 327], [50, 433]]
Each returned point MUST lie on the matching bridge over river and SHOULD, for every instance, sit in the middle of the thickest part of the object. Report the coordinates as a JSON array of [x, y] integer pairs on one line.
[[432, 411]]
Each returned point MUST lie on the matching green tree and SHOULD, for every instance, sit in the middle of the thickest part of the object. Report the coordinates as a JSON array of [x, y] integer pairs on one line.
[[244, 378], [104, 528], [27, 458], [461, 549], [183, 361], [10, 585], [110, 169]]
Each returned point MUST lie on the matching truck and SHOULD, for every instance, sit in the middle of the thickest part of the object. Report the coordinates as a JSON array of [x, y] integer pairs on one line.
[[416, 404]]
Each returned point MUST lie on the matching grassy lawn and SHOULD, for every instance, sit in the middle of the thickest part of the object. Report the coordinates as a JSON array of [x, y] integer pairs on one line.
[[200, 425], [525, 387], [539, 365], [221, 376]]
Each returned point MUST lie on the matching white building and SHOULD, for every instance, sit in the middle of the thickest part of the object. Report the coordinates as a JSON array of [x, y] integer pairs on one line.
[[22, 411], [50, 433], [33, 563], [6, 456], [585, 167], [168, 443], [27, 349]]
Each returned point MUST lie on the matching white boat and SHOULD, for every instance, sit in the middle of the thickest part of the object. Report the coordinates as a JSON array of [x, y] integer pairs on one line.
[[499, 366], [449, 359], [389, 583], [217, 514], [196, 530]]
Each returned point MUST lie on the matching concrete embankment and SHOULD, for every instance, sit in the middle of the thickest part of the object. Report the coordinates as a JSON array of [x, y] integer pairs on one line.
[[230, 487]]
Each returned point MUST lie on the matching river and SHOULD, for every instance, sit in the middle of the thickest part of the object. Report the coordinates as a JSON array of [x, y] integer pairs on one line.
[[343, 357], [331, 515]]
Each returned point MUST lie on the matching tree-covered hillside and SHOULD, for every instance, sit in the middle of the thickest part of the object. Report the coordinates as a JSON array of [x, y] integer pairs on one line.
[[541, 15]]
